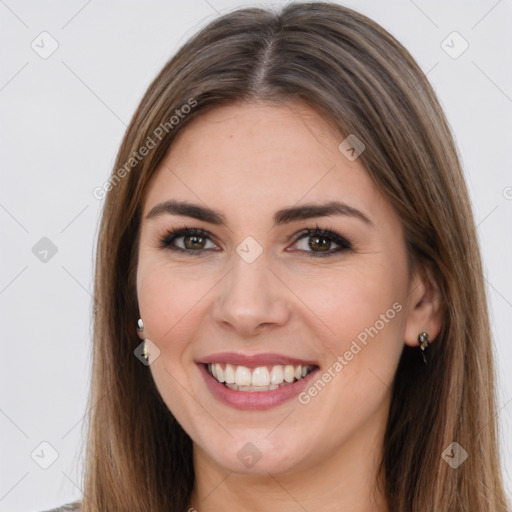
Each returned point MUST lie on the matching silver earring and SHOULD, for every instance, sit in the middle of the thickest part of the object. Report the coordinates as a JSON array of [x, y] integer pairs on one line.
[[424, 341], [140, 325], [145, 354]]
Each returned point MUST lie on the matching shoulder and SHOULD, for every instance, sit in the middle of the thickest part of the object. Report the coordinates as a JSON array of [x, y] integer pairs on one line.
[[68, 507]]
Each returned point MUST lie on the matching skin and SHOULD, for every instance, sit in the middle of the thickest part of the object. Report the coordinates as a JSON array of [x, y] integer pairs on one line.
[[247, 161]]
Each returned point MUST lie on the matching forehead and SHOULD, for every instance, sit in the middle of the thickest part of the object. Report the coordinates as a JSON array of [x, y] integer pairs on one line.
[[249, 158]]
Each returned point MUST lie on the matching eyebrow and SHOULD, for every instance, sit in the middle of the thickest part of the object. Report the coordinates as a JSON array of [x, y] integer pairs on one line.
[[284, 216]]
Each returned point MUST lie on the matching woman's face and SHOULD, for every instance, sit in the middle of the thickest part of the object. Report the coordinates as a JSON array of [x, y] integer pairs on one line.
[[250, 288]]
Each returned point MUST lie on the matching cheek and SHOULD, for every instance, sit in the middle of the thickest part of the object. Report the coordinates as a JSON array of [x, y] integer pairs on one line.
[[169, 304], [359, 310], [364, 314], [168, 301]]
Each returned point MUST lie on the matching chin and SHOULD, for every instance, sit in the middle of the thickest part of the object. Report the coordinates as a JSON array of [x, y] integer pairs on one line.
[[258, 454]]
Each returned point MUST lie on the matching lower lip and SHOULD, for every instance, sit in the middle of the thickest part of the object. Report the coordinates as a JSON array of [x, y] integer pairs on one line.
[[254, 400]]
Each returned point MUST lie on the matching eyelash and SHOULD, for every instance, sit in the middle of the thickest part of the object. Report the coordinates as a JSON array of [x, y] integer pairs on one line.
[[343, 243]]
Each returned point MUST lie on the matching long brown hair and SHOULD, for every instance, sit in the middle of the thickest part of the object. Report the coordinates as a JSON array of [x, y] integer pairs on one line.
[[360, 78]]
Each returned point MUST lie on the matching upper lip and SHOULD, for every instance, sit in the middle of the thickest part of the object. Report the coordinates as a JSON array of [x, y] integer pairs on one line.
[[254, 360]]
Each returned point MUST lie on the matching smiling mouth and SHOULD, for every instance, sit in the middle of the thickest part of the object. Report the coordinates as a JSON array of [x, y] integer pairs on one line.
[[261, 378]]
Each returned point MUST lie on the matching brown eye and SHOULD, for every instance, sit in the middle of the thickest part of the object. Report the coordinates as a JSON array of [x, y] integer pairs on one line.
[[188, 240], [319, 242], [194, 241]]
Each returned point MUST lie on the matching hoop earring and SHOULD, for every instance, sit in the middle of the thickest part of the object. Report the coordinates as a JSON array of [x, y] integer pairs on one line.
[[424, 342]]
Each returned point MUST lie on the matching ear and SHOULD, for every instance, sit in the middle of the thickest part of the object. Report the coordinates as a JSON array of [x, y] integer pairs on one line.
[[425, 309]]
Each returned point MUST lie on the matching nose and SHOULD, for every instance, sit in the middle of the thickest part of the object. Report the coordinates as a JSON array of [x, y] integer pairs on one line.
[[251, 299]]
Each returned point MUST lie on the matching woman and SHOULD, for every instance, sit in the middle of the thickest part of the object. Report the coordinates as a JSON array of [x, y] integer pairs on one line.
[[289, 303]]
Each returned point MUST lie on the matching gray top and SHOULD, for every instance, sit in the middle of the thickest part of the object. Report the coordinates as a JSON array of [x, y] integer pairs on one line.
[[68, 507]]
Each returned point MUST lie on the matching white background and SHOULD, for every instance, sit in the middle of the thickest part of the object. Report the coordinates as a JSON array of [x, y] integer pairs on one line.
[[62, 122]]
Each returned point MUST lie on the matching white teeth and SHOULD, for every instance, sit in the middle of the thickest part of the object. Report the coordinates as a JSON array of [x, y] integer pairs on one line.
[[252, 388], [241, 378], [260, 376], [229, 374], [289, 373], [219, 372], [276, 375]]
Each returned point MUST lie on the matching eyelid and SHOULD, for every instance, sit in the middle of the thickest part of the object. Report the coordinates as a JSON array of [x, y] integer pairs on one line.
[[180, 232], [331, 233]]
